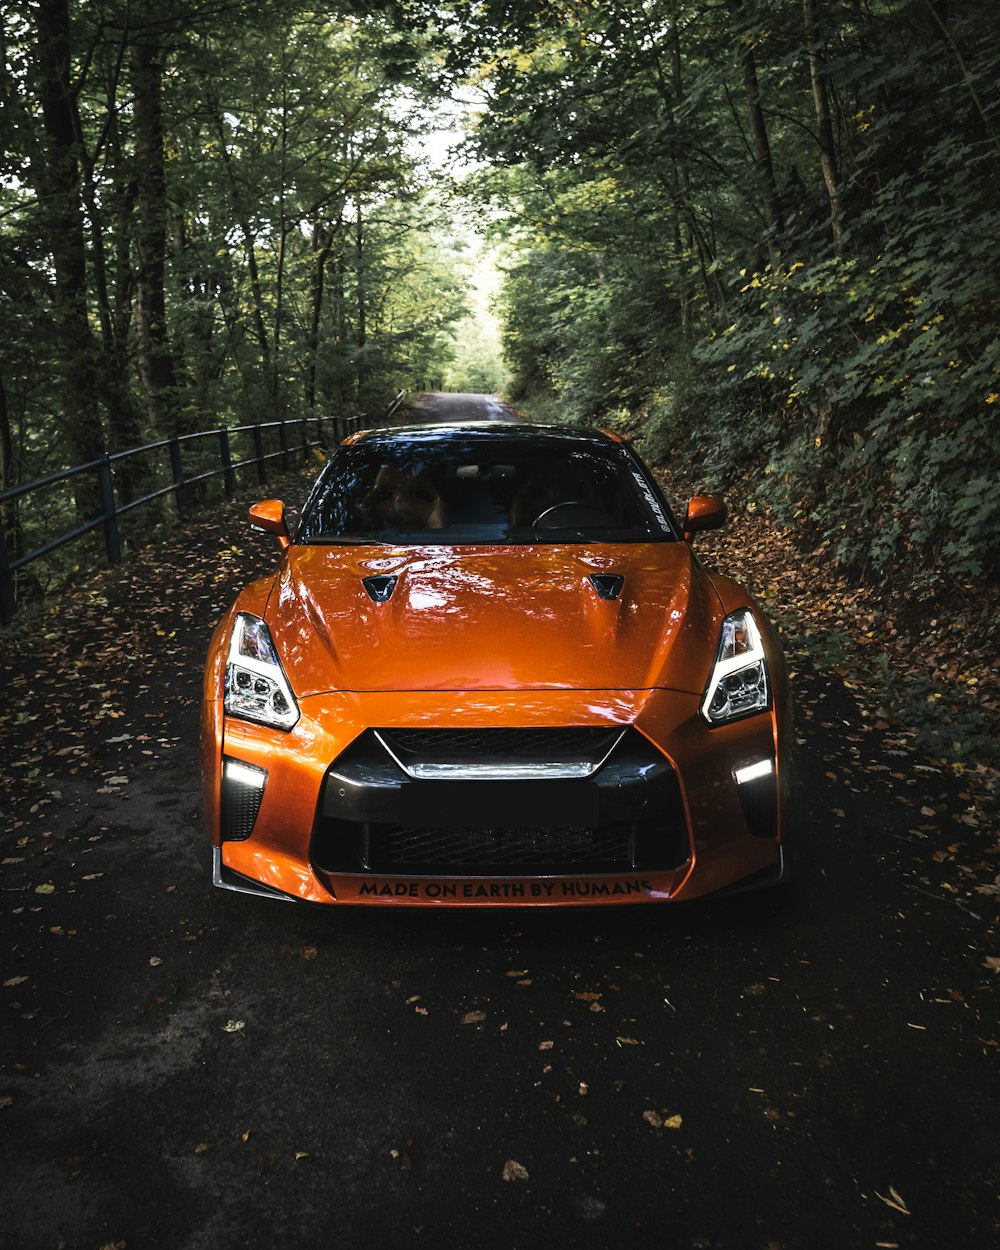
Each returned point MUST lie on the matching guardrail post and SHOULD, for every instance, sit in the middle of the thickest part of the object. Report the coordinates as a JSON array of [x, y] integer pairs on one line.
[[226, 453], [7, 601], [177, 469], [112, 541], [258, 451], [283, 440]]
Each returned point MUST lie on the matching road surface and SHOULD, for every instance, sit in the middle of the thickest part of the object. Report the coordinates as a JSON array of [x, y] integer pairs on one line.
[[187, 1069], [435, 406]]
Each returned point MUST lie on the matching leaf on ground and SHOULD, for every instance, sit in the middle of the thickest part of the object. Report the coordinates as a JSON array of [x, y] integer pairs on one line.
[[45, 888], [894, 1201], [14, 981], [545, 1045], [627, 1041], [155, 961], [654, 1118], [234, 1026], [309, 952], [673, 1121], [516, 972], [514, 1171], [587, 996], [992, 962], [474, 1017]]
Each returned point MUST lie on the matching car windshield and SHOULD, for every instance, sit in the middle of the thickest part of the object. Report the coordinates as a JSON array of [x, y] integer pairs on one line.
[[447, 490]]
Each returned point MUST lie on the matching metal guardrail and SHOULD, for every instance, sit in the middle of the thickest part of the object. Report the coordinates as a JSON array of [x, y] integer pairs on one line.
[[178, 486]]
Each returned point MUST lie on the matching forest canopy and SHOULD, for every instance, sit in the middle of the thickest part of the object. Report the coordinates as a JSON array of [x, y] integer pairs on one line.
[[766, 234], [762, 235]]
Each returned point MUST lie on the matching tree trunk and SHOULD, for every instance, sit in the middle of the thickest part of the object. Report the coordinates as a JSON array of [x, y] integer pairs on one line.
[[362, 326], [322, 241], [156, 363], [59, 187], [763, 163], [824, 123]]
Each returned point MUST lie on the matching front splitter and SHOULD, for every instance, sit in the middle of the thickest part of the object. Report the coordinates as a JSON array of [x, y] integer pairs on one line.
[[562, 891]]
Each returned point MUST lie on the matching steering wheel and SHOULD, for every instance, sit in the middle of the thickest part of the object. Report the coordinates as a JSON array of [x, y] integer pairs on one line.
[[557, 507]]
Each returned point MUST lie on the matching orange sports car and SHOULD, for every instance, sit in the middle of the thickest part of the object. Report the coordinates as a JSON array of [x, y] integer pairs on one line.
[[490, 669]]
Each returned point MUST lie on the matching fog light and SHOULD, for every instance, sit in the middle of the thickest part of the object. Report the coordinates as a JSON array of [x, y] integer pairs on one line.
[[751, 772], [245, 774]]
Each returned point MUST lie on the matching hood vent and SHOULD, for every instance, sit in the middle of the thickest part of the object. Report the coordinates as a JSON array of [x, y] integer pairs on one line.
[[607, 585], [379, 588]]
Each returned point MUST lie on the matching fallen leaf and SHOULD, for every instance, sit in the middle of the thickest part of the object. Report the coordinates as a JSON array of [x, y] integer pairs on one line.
[[201, 1148], [234, 1026], [514, 972], [309, 952], [14, 981], [474, 1017], [627, 1041], [514, 1171], [45, 888], [587, 996], [673, 1121], [894, 1201], [545, 1045], [992, 962], [155, 961], [654, 1118], [301, 1154]]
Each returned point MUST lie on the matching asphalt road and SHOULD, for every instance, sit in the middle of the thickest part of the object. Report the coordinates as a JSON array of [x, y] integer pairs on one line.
[[458, 406], [188, 1069]]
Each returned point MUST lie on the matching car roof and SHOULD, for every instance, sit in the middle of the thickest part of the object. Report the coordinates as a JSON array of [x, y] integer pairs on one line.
[[486, 430]]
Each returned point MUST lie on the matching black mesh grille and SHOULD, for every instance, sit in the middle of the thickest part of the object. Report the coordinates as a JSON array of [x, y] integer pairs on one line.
[[759, 800], [397, 848], [374, 817], [483, 745], [240, 805]]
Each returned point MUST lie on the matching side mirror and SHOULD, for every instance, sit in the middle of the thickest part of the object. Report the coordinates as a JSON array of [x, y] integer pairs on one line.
[[705, 512], [269, 516]]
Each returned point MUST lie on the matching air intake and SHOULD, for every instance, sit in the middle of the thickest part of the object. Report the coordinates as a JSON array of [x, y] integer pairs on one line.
[[379, 588], [607, 585]]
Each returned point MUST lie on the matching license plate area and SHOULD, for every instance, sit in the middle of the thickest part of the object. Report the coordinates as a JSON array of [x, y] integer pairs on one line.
[[502, 804]]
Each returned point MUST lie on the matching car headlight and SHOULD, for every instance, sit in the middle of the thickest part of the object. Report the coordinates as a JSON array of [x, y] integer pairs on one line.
[[256, 686], [738, 685]]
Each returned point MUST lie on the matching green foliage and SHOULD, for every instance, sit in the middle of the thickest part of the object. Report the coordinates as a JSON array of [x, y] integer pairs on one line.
[[686, 251], [304, 265]]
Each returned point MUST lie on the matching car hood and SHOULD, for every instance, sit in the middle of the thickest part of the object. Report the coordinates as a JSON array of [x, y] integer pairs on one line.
[[502, 618]]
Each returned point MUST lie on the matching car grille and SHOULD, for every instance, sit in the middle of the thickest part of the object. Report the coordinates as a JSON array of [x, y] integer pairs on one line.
[[375, 816], [398, 849], [522, 745]]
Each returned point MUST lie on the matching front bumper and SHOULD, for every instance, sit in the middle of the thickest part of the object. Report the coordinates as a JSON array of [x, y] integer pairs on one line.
[[662, 819]]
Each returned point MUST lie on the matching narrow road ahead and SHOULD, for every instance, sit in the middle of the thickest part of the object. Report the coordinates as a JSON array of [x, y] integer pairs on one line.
[[187, 1069], [460, 406]]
